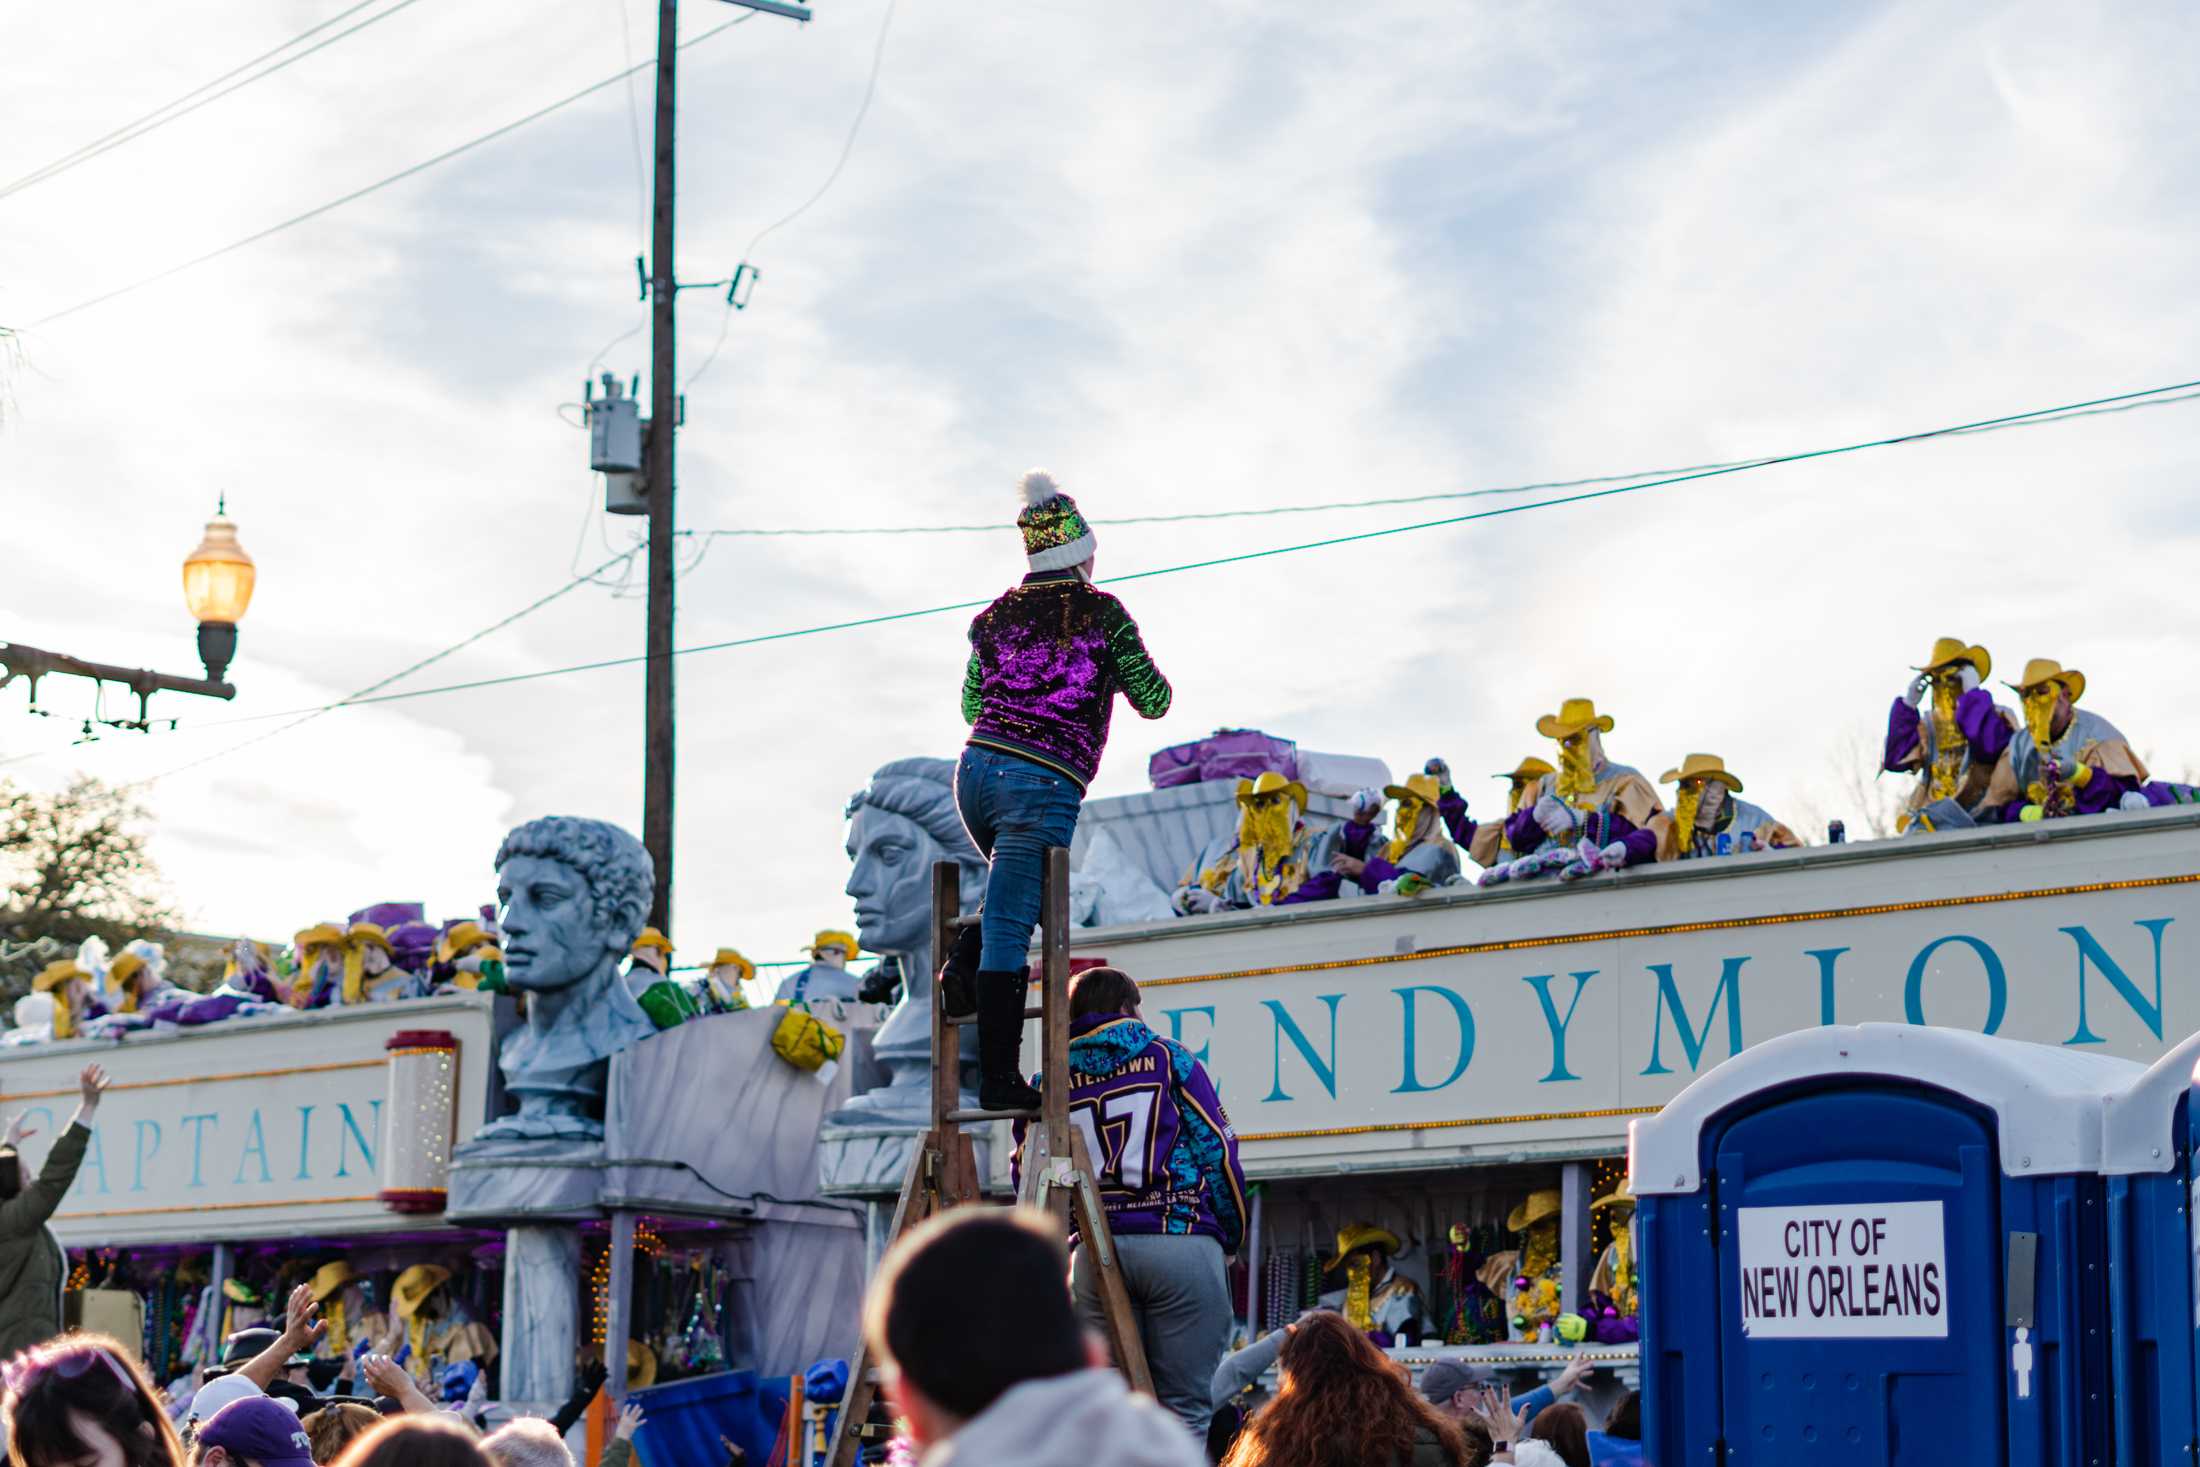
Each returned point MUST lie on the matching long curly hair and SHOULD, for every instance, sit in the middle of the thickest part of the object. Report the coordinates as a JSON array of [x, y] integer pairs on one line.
[[1342, 1403]]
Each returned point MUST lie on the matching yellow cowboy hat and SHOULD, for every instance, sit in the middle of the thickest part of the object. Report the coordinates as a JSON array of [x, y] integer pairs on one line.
[[1702, 766], [56, 973], [651, 937], [414, 1285], [320, 934], [330, 1277], [1528, 771], [1539, 1206], [2036, 672], [1948, 651], [1422, 787], [1618, 1197], [726, 957], [370, 933], [830, 937], [1352, 1239], [1574, 715], [126, 966], [1270, 783], [461, 939]]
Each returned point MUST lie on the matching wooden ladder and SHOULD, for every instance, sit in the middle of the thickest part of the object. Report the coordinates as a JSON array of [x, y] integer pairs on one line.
[[1057, 1173]]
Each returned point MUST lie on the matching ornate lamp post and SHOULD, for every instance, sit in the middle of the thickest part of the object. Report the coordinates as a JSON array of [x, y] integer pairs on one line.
[[217, 587]]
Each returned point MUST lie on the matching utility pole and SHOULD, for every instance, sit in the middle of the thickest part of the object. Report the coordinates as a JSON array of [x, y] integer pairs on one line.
[[658, 744]]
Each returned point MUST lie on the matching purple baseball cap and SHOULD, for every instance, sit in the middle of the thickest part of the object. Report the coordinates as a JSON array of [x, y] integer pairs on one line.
[[259, 1429]]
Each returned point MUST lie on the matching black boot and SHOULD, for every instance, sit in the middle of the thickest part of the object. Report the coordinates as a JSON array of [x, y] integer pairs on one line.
[[959, 974], [1001, 1084]]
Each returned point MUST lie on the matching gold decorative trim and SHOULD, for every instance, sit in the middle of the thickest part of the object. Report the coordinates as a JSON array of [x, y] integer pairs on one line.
[[1521, 1120], [212, 1207], [448, 1051], [373, 1064], [1777, 919]]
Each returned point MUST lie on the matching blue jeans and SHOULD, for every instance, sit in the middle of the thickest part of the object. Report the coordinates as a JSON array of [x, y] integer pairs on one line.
[[1014, 810]]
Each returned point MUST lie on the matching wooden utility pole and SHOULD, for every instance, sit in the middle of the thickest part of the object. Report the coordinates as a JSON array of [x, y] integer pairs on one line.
[[658, 743]]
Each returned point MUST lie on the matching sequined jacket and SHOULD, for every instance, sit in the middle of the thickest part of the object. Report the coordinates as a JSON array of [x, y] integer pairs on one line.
[[1046, 661]]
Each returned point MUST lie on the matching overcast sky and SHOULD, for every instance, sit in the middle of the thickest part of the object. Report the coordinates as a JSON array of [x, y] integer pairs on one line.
[[1189, 257]]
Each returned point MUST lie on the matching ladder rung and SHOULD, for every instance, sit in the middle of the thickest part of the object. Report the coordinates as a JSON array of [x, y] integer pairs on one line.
[[955, 924], [964, 1117], [953, 1020]]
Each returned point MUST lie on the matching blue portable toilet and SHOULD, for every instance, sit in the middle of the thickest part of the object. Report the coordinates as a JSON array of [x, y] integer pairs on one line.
[[2146, 1155], [1878, 1244]]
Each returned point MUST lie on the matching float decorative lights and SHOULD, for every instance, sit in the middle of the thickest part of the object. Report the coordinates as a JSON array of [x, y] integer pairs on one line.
[[423, 1117]]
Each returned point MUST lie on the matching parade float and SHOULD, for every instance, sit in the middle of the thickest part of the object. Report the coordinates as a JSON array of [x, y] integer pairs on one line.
[[1432, 1093]]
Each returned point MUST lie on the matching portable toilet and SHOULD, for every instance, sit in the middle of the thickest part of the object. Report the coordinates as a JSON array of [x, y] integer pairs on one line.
[[1877, 1244], [2146, 1155]]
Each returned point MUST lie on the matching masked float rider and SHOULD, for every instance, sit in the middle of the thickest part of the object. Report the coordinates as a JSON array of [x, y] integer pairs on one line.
[[1265, 861], [1354, 841], [1587, 815], [1707, 805], [1375, 1295], [1419, 854], [1485, 841], [1947, 727], [2064, 760]]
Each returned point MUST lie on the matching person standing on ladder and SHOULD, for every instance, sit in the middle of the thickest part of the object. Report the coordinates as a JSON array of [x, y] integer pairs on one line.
[[1170, 1182], [1046, 661]]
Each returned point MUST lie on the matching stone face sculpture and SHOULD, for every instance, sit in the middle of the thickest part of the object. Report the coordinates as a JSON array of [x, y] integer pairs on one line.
[[574, 894], [897, 828]]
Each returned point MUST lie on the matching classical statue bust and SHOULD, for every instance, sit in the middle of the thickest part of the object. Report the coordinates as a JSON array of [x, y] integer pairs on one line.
[[573, 894], [897, 827]]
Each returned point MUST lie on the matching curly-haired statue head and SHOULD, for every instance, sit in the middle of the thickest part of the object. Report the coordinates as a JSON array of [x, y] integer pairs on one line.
[[573, 894]]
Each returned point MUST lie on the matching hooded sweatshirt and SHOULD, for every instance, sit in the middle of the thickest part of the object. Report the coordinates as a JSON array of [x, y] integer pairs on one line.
[[1089, 1418]]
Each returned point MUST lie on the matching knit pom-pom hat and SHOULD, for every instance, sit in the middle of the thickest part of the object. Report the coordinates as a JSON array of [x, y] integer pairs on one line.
[[1056, 536]]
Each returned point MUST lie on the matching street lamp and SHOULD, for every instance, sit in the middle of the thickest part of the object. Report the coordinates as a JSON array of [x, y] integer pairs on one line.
[[217, 587]]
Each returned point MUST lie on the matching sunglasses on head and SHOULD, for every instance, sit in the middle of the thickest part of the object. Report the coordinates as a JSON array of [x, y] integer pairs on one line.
[[69, 1363]]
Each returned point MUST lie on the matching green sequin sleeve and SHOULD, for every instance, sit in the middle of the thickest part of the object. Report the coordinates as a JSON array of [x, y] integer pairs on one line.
[[973, 690], [1143, 685]]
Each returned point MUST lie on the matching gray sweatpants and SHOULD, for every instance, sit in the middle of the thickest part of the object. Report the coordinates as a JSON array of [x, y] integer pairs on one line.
[[1181, 1295]]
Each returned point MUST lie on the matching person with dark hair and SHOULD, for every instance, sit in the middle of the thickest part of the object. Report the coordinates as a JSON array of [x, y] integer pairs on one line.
[[1558, 1437], [1619, 1444], [1046, 661], [83, 1402], [1343, 1403], [986, 1362], [438, 1440], [1167, 1166], [33, 1266]]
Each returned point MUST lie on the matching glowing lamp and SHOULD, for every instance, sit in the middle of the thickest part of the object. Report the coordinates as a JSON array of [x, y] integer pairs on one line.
[[217, 587]]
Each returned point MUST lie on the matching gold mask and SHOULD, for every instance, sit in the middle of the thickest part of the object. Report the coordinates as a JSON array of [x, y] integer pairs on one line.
[[1576, 767], [1411, 812], [2040, 704], [1685, 805], [1264, 825]]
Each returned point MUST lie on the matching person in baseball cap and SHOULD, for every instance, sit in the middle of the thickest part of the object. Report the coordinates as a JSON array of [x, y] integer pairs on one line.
[[257, 1431], [1446, 1384]]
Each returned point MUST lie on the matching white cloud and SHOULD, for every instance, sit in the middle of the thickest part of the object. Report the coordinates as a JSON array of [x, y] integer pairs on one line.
[[1221, 256]]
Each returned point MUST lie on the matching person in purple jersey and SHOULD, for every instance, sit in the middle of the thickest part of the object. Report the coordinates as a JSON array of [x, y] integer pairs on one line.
[[1046, 661], [1169, 1179]]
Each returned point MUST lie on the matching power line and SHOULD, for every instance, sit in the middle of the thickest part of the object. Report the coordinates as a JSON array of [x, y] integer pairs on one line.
[[1271, 510], [398, 177], [863, 110], [509, 679], [153, 121]]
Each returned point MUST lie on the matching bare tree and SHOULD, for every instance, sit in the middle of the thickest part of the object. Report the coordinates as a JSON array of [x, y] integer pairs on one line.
[[1862, 798], [76, 867]]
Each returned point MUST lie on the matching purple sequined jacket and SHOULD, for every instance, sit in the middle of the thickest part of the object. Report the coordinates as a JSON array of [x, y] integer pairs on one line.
[[1046, 661]]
